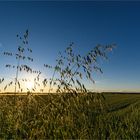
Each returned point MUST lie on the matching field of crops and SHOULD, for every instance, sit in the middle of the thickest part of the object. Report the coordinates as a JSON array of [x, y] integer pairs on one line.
[[70, 116]]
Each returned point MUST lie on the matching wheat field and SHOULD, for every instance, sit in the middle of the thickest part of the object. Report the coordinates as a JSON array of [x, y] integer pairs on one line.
[[70, 116]]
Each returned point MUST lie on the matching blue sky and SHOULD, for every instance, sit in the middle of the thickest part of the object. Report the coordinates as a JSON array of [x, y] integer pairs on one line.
[[53, 25]]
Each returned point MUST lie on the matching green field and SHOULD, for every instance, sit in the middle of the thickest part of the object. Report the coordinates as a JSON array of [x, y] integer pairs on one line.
[[70, 116]]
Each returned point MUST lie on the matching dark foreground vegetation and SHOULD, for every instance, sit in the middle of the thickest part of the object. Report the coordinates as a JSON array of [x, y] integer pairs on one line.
[[70, 116]]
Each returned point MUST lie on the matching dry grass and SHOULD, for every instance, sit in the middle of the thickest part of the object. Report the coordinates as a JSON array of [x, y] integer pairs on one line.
[[70, 116]]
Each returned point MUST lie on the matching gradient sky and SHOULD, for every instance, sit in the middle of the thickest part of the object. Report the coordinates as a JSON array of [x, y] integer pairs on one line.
[[53, 25]]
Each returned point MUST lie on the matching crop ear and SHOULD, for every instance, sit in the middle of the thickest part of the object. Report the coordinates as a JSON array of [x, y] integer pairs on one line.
[[20, 55]]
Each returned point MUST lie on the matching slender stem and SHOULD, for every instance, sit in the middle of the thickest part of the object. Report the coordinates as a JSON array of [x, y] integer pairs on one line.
[[73, 75], [52, 80], [16, 78]]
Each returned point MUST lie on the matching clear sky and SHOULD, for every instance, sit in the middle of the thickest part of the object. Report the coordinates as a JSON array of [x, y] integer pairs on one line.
[[53, 25]]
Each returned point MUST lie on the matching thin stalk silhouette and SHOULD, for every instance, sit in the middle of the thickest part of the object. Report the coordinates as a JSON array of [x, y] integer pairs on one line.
[[17, 72]]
